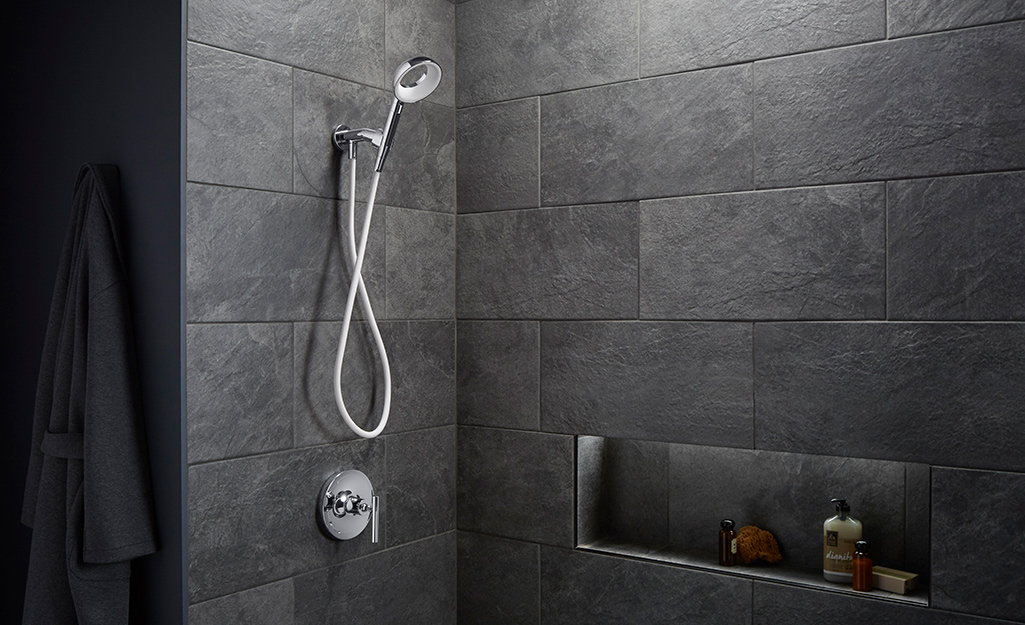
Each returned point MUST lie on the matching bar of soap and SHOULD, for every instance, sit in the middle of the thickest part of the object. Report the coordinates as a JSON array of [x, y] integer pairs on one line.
[[892, 580]]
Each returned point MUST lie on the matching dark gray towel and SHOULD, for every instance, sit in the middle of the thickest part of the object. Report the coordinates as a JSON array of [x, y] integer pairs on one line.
[[87, 497]]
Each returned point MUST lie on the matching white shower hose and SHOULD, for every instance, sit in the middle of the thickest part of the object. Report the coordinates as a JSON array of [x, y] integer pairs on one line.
[[357, 285]]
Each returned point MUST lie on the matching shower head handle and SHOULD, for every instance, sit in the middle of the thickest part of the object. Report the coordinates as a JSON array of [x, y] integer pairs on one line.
[[388, 135]]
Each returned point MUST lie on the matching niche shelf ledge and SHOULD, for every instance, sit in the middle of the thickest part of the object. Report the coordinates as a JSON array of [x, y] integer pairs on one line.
[[774, 573]]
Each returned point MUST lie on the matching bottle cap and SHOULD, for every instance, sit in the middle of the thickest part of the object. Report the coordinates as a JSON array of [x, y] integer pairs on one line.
[[726, 524], [861, 546], [841, 504]]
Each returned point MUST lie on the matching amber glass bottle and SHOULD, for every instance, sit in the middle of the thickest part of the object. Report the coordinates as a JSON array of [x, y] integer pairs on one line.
[[862, 579], [727, 543]]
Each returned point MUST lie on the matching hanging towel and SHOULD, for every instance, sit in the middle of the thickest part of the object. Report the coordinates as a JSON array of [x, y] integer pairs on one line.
[[87, 497]]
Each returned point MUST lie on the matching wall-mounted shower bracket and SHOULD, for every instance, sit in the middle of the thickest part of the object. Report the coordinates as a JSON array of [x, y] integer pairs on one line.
[[342, 508], [345, 138]]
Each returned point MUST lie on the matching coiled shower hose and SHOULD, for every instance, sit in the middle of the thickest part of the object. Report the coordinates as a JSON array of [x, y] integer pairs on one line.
[[359, 252]]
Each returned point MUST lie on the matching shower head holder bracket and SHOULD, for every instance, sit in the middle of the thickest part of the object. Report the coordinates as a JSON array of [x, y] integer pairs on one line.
[[345, 138]]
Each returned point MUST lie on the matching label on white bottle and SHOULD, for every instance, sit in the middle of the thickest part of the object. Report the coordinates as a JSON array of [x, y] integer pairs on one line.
[[839, 558]]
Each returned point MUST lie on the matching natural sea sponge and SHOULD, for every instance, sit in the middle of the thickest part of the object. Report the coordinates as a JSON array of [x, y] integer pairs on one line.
[[754, 543]]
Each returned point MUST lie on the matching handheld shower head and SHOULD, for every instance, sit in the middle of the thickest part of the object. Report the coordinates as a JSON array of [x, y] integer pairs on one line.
[[414, 80]]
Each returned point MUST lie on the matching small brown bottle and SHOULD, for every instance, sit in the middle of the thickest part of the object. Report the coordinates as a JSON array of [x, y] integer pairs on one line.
[[727, 543], [862, 579]]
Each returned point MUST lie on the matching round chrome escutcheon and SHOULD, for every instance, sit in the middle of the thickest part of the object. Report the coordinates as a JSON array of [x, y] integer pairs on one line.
[[344, 505]]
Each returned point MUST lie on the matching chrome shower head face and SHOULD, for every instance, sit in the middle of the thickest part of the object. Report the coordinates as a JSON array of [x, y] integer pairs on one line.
[[416, 79]]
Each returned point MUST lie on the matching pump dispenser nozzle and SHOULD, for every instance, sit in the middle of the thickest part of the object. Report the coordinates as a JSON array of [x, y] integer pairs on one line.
[[842, 507]]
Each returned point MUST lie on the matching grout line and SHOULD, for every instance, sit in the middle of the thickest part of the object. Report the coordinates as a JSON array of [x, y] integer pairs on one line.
[[540, 360], [335, 564], [294, 66], [665, 320], [539, 585], [638, 261], [928, 555], [906, 532], [886, 19], [638, 38], [754, 395], [295, 411], [886, 251], [754, 142], [393, 320], [699, 194], [382, 438], [292, 158], [539, 151]]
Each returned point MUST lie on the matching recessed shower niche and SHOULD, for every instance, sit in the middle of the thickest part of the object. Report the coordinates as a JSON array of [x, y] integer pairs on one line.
[[663, 502]]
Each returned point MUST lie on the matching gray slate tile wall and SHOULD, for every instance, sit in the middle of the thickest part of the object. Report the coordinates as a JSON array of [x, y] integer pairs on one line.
[[703, 239], [268, 275], [808, 178]]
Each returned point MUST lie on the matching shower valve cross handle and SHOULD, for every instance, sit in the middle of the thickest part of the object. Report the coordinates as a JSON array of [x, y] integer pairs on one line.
[[345, 502]]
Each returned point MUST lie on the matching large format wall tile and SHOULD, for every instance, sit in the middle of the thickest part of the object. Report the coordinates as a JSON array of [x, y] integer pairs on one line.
[[239, 120], [239, 389], [787, 494], [272, 604], [509, 50], [955, 247], [572, 262], [498, 156], [421, 264], [908, 17], [256, 256], [499, 373], [415, 583], [978, 546], [421, 484], [422, 28], [668, 136], [498, 581], [677, 36], [420, 170], [579, 587], [814, 253], [516, 484], [940, 104], [342, 38], [251, 520], [422, 358], [784, 605], [935, 393], [669, 381]]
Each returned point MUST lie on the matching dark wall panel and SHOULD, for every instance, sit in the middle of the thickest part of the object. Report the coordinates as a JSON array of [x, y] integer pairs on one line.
[[99, 83]]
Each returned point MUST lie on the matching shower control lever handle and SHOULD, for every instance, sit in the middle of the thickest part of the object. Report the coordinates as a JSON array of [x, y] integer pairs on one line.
[[375, 509]]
